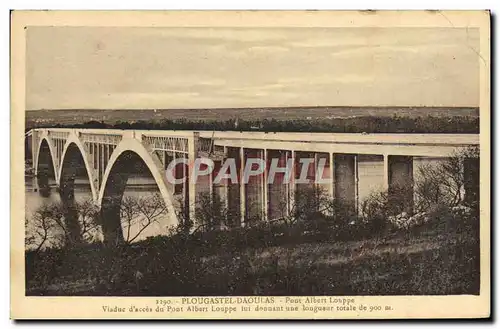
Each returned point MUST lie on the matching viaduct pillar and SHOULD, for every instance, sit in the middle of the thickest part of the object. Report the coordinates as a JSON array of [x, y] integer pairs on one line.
[[243, 195], [398, 180], [471, 180], [67, 194], [190, 184], [233, 188], [345, 171], [278, 190], [253, 185]]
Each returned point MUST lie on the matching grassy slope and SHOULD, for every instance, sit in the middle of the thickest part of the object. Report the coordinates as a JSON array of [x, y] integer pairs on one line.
[[423, 263]]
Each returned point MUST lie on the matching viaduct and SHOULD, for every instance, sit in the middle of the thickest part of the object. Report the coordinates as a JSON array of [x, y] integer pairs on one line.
[[108, 157]]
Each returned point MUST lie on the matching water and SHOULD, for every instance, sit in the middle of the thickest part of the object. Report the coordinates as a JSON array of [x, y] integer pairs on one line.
[[143, 188]]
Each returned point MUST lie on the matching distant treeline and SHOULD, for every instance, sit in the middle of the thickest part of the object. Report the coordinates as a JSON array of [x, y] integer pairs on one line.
[[368, 124]]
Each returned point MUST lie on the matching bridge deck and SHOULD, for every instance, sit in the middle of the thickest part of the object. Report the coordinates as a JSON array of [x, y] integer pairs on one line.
[[431, 145], [354, 138]]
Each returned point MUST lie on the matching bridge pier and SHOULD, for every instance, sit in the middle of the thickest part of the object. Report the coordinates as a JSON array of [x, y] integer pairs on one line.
[[278, 204], [111, 222], [324, 173], [233, 189], [225, 183], [471, 180], [306, 187], [345, 172], [265, 185], [331, 172], [192, 154], [42, 183], [253, 186], [398, 180], [292, 187], [242, 188], [67, 194], [217, 189]]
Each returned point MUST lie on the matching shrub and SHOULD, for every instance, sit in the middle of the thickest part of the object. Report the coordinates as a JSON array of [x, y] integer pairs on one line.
[[406, 221], [211, 212], [445, 183]]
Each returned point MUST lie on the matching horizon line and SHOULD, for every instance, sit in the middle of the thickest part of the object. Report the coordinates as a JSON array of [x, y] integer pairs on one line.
[[260, 107]]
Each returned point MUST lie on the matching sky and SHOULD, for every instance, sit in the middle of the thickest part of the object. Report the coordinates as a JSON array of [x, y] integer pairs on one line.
[[147, 68]]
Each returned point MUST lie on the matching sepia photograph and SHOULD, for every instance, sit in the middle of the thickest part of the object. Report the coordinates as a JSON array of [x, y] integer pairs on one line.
[[243, 169]]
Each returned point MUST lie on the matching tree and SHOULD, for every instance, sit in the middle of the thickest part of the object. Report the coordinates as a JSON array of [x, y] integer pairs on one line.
[[211, 212], [88, 214], [313, 202], [47, 225], [141, 212], [43, 228], [448, 183]]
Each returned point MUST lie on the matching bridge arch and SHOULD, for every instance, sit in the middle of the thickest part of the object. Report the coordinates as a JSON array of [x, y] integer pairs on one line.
[[114, 182], [73, 143], [45, 142]]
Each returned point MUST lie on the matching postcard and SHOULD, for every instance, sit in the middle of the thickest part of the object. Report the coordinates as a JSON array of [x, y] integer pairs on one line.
[[250, 164]]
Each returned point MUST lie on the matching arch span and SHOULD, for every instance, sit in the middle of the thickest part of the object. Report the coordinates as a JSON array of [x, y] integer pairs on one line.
[[115, 180], [45, 140], [74, 143]]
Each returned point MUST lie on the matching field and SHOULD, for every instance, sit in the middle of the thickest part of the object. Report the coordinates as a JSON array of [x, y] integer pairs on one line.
[[290, 113]]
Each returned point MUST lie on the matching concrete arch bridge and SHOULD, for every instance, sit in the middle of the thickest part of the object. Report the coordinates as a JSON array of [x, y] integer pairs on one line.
[[108, 157]]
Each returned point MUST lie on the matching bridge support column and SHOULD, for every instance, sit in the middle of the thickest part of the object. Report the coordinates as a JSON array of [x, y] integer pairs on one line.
[[471, 180], [191, 185], [233, 188], [398, 179], [255, 187], [345, 179], [292, 187], [217, 190], [306, 188], [386, 172], [331, 186], [278, 191], [315, 172], [242, 186], [34, 183], [42, 183], [265, 185], [356, 183], [323, 178], [67, 194], [226, 184], [32, 145], [211, 183], [179, 171]]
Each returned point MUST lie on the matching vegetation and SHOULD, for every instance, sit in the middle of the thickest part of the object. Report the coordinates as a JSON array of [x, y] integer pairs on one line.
[[362, 124], [441, 257], [140, 212]]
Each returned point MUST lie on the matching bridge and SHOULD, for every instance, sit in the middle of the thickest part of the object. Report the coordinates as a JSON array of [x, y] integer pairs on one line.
[[108, 157]]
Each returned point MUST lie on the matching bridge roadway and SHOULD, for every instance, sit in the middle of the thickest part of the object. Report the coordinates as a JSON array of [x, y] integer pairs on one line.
[[105, 155]]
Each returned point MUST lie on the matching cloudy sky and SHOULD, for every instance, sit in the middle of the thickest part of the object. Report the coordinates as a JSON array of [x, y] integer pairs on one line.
[[89, 67]]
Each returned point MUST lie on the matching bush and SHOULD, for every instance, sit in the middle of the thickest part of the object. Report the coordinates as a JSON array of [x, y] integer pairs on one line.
[[406, 221], [445, 183]]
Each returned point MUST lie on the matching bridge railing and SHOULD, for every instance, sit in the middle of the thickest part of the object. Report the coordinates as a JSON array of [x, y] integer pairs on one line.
[[207, 148]]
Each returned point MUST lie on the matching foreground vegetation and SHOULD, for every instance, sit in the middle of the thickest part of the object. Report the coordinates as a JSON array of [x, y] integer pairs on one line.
[[440, 257]]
